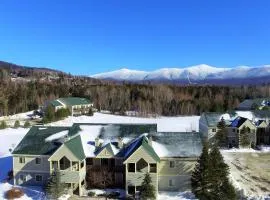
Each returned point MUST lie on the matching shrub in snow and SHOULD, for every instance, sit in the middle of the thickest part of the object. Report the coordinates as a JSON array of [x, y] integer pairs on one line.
[[14, 193], [91, 194], [3, 125], [90, 112], [17, 124], [26, 124]]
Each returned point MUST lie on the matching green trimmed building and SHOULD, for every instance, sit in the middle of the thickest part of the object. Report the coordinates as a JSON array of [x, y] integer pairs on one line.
[[107, 156], [76, 105]]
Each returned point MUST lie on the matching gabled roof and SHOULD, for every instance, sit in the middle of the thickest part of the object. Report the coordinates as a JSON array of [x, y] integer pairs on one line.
[[72, 101], [55, 103], [259, 122], [135, 144], [34, 142], [238, 121], [109, 147], [75, 146], [263, 114], [248, 103]]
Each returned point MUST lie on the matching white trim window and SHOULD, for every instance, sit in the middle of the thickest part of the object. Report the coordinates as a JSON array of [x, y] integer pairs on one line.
[[171, 182], [22, 160], [38, 178], [172, 164]]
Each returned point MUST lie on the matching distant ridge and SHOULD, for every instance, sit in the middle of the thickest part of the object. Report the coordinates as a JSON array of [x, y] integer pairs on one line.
[[191, 75], [18, 68]]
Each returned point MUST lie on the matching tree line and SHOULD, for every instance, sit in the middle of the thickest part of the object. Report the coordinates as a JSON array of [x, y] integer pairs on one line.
[[159, 99]]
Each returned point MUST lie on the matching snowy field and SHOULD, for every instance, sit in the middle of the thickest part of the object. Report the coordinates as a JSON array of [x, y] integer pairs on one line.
[[250, 172], [249, 169], [21, 117], [171, 124]]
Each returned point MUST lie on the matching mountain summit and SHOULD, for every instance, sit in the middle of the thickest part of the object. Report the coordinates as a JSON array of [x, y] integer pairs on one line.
[[195, 74]]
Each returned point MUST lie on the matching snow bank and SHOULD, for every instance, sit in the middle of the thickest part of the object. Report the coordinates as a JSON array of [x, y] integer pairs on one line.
[[175, 195], [100, 192], [30, 193]]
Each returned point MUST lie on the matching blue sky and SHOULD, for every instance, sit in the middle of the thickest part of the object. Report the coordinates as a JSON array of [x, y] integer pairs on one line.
[[92, 36]]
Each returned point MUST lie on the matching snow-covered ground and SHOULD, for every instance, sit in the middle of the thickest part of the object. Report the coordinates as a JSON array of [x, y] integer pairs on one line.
[[170, 124], [249, 171], [22, 117]]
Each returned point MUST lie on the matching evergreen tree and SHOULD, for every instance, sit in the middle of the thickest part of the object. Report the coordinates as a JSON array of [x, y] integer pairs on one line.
[[62, 113], [17, 124], [147, 189], [26, 124], [221, 188], [3, 125], [54, 188], [90, 112], [200, 178], [244, 137], [221, 135], [49, 114]]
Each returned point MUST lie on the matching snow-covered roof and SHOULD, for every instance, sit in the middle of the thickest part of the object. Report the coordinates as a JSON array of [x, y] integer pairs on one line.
[[165, 144], [180, 144]]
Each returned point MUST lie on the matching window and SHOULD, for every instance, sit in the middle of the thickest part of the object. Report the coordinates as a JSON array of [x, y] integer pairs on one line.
[[131, 167], [54, 165], [153, 168], [75, 166], [64, 163], [172, 164], [171, 182], [82, 164], [233, 130], [38, 161], [131, 189], [23, 177], [214, 130], [22, 159], [38, 178]]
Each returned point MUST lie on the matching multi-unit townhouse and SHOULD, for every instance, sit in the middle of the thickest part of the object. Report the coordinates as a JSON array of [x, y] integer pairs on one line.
[[107, 156], [258, 128]]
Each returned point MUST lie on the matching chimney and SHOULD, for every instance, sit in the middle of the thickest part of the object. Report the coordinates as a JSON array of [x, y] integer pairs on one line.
[[150, 140], [97, 142], [120, 143]]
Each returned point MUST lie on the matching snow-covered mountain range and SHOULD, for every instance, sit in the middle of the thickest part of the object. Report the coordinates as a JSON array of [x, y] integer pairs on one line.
[[194, 74]]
